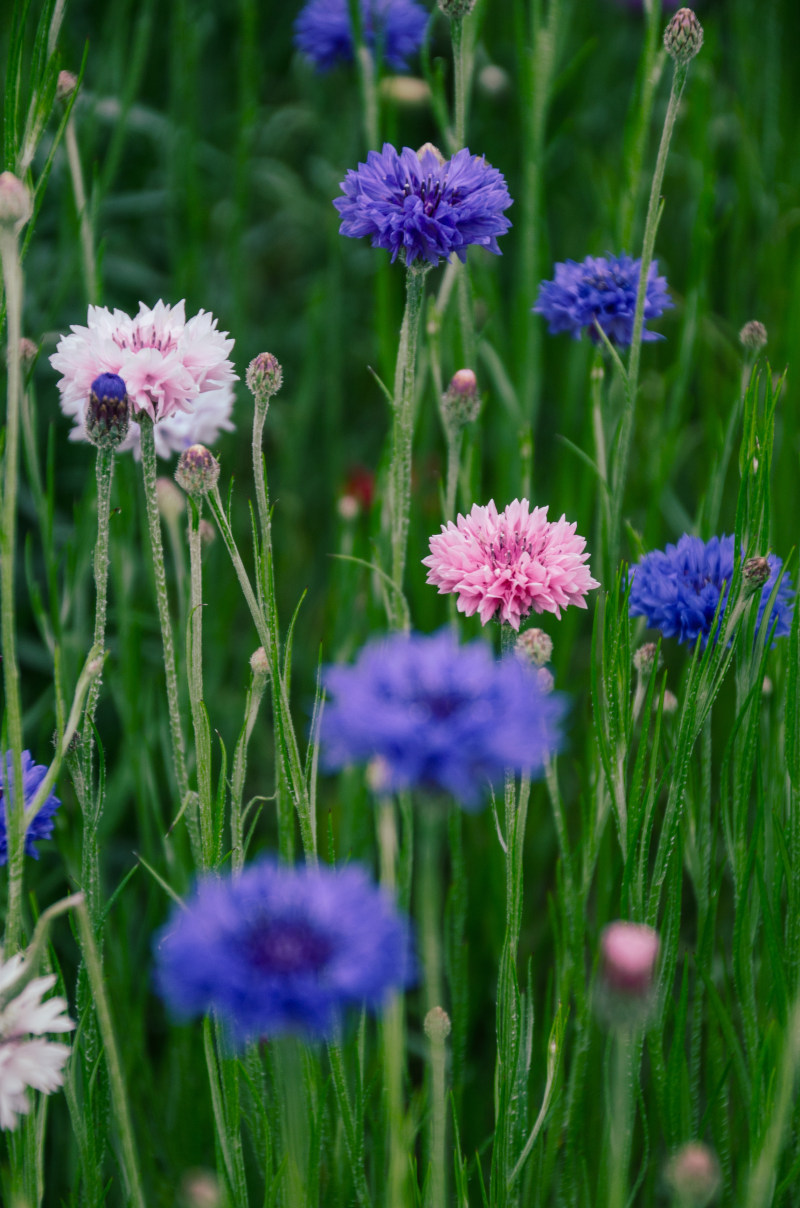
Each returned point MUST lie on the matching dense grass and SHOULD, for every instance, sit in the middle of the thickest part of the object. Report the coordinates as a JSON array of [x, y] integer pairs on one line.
[[211, 154]]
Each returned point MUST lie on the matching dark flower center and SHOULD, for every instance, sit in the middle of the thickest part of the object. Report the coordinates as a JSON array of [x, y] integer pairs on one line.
[[430, 193], [287, 946]]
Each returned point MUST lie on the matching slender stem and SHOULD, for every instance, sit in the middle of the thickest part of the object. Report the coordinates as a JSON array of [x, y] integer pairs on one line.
[[254, 697], [194, 641], [619, 1124], [154, 526], [353, 1142], [454, 442], [430, 907], [104, 469], [460, 82], [620, 470], [87, 240], [437, 1196], [403, 434], [15, 807], [393, 1047], [369, 96], [119, 1099]]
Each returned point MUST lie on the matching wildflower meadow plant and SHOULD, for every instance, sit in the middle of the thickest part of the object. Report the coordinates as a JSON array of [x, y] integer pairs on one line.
[[279, 949], [601, 292], [41, 825], [438, 716], [678, 589], [392, 30], [27, 1060]]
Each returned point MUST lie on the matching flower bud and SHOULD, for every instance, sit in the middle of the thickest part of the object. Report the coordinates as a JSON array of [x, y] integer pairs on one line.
[[670, 704], [67, 83], [534, 645], [645, 657], [207, 532], [108, 412], [629, 952], [753, 336], [259, 663], [461, 402], [27, 351], [405, 90], [171, 503], [16, 206], [437, 1025], [755, 572], [198, 470], [545, 680], [264, 377], [456, 9], [493, 81], [348, 507], [683, 37], [693, 1175], [200, 1189]]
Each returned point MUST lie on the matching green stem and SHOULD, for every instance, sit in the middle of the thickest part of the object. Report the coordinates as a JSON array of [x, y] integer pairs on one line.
[[460, 82], [620, 1123], [15, 808], [620, 470], [154, 526], [369, 96], [194, 642], [89, 262], [437, 1196], [393, 1047], [353, 1142]]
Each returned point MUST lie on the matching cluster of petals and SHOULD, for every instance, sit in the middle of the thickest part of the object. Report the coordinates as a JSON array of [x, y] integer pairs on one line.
[[678, 589], [601, 290], [509, 564], [394, 29], [423, 206], [41, 825], [430, 714], [169, 366], [280, 949], [27, 1061]]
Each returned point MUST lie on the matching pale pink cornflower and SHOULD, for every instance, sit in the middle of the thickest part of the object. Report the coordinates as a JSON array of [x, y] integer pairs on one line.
[[514, 561], [167, 364], [26, 1060]]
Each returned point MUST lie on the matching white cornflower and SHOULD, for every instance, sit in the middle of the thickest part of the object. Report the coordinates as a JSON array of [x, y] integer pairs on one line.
[[25, 1062]]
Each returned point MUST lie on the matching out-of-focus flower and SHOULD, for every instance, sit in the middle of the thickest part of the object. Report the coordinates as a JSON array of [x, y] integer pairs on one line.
[[678, 589], [393, 29], [601, 289], [40, 827], [27, 1063], [423, 205], [629, 953], [510, 563], [16, 205], [432, 714], [536, 646], [693, 1175], [753, 336], [283, 949], [171, 367]]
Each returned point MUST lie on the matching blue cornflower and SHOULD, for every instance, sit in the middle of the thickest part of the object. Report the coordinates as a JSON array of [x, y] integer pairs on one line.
[[602, 288], [280, 949], [438, 715], [423, 205], [323, 31], [40, 827], [678, 589]]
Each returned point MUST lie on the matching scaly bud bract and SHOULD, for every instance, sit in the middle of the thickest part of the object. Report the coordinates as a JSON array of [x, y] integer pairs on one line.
[[198, 470], [108, 412], [683, 37]]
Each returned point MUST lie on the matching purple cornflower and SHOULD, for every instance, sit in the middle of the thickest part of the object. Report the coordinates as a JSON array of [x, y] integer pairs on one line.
[[602, 288], [423, 205], [281, 949], [437, 715], [678, 589], [40, 827], [323, 31]]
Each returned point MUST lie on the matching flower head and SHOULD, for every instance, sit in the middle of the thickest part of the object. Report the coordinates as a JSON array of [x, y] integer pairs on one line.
[[678, 589], [40, 827], [282, 949], [513, 563], [602, 289], [423, 205], [25, 1062], [683, 37], [108, 413], [323, 31], [437, 715], [170, 367]]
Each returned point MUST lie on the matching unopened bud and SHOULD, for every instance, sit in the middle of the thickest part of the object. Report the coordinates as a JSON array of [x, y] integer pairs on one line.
[[534, 645], [27, 351], [200, 1189], [405, 90], [630, 952], [108, 412], [171, 503], [16, 206], [259, 663], [693, 1175], [753, 336], [198, 470], [755, 572], [437, 1025], [207, 532], [461, 402], [348, 507], [683, 37], [433, 150], [670, 704], [645, 657], [493, 81], [67, 83], [264, 377], [377, 775], [545, 680], [767, 687], [95, 667], [455, 9]]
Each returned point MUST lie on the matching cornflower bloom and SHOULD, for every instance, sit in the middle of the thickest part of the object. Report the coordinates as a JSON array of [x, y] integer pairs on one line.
[[432, 714], [177, 371], [423, 205], [602, 290], [39, 827], [510, 563], [679, 588], [393, 29], [25, 1062], [281, 949]]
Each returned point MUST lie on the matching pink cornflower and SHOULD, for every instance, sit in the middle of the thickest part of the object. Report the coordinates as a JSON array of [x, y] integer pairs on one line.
[[515, 561], [165, 362]]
